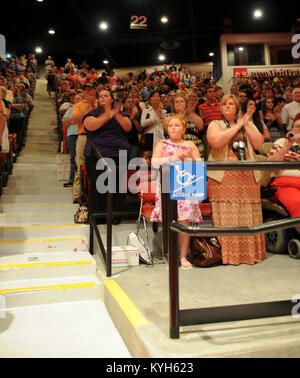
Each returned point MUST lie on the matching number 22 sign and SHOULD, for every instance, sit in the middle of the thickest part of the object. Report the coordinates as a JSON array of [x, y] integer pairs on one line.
[[138, 22]]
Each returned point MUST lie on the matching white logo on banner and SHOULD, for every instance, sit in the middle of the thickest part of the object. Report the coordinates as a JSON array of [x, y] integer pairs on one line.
[[185, 179], [2, 47], [296, 48], [296, 308]]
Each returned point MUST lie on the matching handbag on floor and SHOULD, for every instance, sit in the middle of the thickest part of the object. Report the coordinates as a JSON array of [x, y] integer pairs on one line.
[[205, 252], [82, 215]]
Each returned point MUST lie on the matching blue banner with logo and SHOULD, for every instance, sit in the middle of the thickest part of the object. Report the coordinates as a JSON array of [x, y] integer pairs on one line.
[[188, 181]]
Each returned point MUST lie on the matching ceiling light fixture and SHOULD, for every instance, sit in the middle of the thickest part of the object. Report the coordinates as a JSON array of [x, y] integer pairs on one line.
[[103, 26], [258, 13]]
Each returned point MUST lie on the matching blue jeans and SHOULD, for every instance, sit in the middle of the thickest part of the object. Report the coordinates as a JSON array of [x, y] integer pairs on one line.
[[71, 143]]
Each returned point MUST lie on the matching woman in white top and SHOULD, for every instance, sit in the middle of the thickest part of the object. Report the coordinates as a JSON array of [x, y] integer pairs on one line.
[[151, 122]]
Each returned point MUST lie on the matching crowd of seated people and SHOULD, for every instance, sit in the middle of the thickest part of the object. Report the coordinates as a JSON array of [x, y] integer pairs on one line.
[[149, 98], [85, 101], [17, 86]]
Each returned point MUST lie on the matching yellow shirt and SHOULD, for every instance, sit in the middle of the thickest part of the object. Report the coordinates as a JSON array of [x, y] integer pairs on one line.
[[81, 109]]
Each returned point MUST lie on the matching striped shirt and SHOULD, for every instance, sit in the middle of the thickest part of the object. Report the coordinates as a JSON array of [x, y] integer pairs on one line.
[[210, 112]]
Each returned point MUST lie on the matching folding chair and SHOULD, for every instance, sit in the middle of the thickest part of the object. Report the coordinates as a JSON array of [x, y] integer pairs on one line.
[[146, 193]]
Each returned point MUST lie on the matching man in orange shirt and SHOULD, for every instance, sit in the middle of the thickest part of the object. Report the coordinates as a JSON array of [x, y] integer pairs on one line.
[[80, 110], [92, 77]]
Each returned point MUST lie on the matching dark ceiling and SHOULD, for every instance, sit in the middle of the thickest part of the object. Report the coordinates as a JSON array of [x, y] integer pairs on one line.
[[193, 29]]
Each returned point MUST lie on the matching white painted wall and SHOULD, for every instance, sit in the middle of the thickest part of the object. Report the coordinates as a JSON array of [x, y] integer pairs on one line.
[[267, 39]]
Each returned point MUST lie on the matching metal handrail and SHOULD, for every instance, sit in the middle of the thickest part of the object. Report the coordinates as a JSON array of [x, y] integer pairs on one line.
[[106, 254], [110, 213], [209, 231], [252, 166], [171, 229]]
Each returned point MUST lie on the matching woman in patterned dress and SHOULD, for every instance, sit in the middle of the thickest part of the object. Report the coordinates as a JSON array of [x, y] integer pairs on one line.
[[235, 195], [177, 149]]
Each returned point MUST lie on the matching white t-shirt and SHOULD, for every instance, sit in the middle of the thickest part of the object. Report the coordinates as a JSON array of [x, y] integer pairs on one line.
[[289, 113]]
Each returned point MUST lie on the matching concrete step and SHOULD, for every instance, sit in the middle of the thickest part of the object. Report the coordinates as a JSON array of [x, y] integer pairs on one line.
[[23, 233], [42, 132], [62, 330], [36, 199], [40, 147], [43, 190], [34, 292], [38, 150], [33, 154], [40, 167], [35, 184], [43, 139], [39, 121], [36, 159], [45, 265], [34, 137], [42, 117], [45, 179], [43, 245], [39, 172], [37, 218], [52, 139], [37, 208]]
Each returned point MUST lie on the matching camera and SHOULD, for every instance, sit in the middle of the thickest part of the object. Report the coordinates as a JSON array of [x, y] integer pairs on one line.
[[291, 136], [240, 147]]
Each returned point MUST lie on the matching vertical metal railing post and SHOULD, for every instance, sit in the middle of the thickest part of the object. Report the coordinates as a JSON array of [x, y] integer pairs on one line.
[[173, 271], [165, 184], [170, 246], [109, 235]]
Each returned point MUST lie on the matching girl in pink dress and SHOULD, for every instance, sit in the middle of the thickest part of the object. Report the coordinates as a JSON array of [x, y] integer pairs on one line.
[[177, 149]]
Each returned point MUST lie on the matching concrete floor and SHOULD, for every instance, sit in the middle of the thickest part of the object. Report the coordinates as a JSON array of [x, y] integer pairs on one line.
[[61, 330], [277, 278]]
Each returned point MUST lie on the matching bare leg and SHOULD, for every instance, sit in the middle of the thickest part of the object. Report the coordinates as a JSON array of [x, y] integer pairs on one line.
[[184, 243]]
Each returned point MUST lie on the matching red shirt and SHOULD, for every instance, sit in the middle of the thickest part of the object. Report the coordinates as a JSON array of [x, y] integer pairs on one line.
[[211, 112]]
